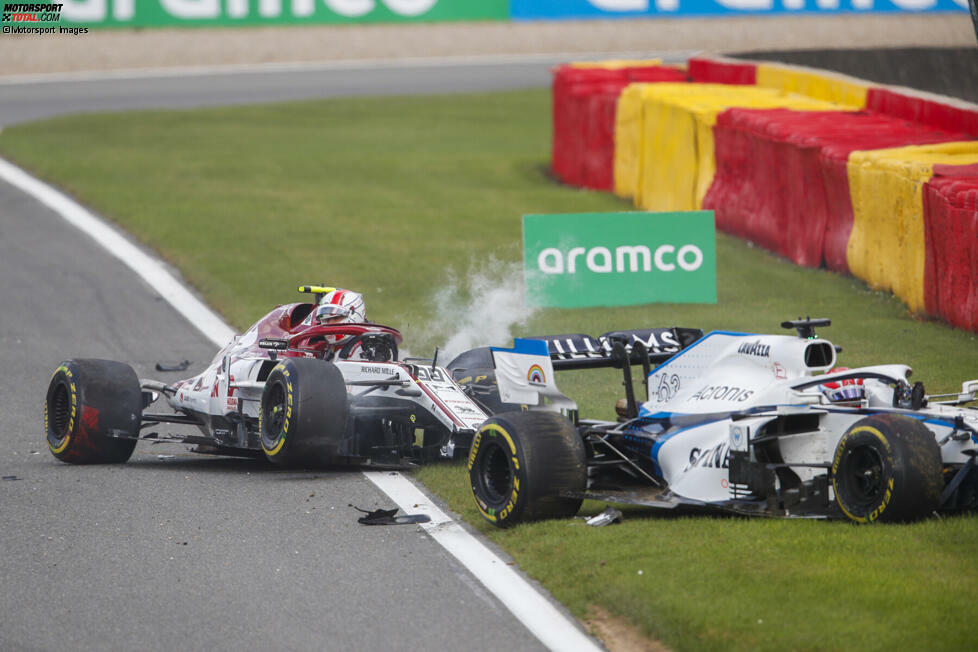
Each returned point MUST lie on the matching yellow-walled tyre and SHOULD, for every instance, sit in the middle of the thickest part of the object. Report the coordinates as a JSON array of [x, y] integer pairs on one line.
[[887, 468], [303, 413], [92, 412], [522, 463]]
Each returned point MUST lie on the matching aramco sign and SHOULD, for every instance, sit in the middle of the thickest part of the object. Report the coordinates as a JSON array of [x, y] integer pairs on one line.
[[619, 259]]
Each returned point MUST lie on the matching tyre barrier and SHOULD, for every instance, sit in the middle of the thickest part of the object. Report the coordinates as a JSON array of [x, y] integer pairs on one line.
[[717, 70], [673, 136], [585, 97], [822, 168], [886, 247], [943, 113], [782, 179], [951, 234], [823, 85]]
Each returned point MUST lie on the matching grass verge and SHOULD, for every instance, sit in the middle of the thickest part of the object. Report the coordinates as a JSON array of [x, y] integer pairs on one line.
[[401, 197]]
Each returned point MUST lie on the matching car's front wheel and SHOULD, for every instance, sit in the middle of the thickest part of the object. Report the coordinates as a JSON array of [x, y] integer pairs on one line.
[[522, 465], [887, 468], [304, 412]]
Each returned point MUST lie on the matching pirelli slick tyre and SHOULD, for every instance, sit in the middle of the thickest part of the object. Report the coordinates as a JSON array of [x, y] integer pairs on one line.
[[887, 468], [93, 411], [303, 412], [521, 463]]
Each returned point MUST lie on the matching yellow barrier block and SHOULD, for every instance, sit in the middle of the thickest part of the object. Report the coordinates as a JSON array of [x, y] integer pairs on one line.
[[676, 164], [821, 85], [616, 64], [887, 247], [628, 139]]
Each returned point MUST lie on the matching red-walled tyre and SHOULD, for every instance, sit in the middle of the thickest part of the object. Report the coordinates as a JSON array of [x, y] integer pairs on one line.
[[92, 412]]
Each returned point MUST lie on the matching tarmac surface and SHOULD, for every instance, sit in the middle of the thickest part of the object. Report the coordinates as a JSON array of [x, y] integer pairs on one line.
[[22, 101], [175, 550]]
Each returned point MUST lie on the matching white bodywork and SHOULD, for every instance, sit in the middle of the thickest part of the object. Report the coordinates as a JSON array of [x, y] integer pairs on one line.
[[759, 378], [231, 387], [719, 392]]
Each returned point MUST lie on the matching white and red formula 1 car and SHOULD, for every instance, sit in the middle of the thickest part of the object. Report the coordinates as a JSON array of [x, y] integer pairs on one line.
[[289, 389]]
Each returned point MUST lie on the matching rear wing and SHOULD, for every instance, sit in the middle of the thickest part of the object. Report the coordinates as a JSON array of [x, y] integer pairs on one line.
[[579, 351], [522, 377]]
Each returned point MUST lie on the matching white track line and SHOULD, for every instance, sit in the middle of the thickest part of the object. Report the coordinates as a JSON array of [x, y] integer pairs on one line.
[[148, 268], [537, 613]]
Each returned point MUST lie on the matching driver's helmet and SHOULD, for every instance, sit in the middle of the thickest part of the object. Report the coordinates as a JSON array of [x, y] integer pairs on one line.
[[341, 307], [843, 391]]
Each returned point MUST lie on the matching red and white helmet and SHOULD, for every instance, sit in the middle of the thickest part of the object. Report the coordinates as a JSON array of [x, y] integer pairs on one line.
[[840, 391], [341, 307]]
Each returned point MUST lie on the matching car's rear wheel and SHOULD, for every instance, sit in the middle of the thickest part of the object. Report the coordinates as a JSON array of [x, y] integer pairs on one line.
[[522, 465], [303, 413], [887, 468], [93, 411]]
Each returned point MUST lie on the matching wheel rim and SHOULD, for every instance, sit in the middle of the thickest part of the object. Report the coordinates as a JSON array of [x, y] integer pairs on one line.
[[60, 411], [496, 476], [862, 473], [274, 411]]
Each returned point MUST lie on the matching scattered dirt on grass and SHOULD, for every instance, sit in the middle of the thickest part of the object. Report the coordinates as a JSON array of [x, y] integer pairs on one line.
[[617, 634]]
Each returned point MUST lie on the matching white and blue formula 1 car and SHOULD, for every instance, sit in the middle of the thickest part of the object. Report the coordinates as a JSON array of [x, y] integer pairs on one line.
[[734, 422]]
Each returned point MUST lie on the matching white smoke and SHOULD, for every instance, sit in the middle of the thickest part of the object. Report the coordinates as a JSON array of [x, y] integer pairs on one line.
[[480, 309]]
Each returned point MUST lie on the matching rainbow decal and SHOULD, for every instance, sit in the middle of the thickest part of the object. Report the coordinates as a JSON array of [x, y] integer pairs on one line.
[[535, 375]]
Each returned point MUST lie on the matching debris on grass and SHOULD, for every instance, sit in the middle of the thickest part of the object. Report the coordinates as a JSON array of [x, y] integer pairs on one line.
[[607, 517]]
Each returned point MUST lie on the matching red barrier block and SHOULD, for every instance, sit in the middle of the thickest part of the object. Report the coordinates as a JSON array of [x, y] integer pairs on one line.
[[584, 103], [781, 178], [943, 170], [599, 145], [704, 70], [570, 141], [948, 115], [951, 232], [761, 189], [571, 87]]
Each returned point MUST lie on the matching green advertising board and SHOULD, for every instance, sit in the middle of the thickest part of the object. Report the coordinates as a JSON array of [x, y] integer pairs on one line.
[[619, 259], [230, 13]]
